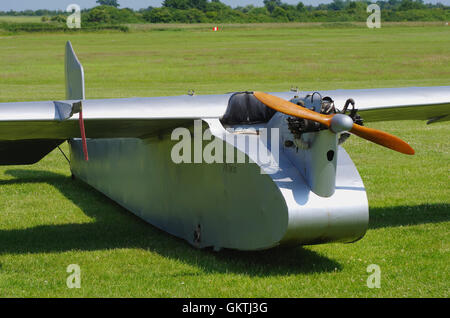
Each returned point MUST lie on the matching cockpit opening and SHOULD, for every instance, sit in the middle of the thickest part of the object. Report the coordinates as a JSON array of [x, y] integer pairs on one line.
[[244, 109]]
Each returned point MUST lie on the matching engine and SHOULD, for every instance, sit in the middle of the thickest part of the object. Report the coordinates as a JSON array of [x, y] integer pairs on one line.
[[323, 105]]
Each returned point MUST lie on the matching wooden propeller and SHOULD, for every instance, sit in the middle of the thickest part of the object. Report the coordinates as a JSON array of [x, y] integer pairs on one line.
[[377, 136]]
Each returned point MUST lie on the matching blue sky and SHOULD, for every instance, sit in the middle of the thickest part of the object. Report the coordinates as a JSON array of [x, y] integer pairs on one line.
[[19, 5]]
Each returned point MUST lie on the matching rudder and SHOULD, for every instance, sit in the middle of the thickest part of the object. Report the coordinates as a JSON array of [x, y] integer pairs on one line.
[[74, 75]]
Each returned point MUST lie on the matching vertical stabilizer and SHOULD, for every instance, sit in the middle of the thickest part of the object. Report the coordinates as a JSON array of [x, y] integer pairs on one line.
[[74, 75]]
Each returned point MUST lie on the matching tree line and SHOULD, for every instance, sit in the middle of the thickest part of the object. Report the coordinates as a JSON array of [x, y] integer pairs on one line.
[[214, 11]]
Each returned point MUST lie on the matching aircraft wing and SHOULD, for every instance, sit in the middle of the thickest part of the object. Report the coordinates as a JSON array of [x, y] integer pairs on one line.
[[140, 117], [30, 130], [426, 103], [106, 118], [407, 103]]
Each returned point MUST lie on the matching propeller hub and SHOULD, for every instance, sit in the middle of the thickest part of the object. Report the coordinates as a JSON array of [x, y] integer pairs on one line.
[[340, 123]]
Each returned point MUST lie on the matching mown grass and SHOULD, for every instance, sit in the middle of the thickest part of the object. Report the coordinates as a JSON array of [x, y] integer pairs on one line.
[[48, 221], [20, 19]]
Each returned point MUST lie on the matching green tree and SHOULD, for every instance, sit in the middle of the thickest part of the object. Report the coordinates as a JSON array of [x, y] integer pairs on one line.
[[337, 5], [186, 4], [272, 4], [176, 4], [108, 14], [112, 3], [217, 6], [159, 15], [411, 5], [300, 7], [280, 14], [199, 4], [357, 7], [59, 18], [98, 15]]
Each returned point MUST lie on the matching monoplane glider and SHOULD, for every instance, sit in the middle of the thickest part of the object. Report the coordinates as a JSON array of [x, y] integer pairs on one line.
[[306, 190]]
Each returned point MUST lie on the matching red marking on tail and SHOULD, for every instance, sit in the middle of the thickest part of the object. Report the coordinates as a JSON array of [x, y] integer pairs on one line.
[[83, 136]]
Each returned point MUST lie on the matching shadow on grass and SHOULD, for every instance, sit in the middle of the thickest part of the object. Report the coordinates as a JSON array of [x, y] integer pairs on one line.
[[408, 215], [115, 227]]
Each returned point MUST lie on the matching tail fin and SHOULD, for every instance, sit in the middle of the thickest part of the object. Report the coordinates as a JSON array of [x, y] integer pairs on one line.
[[74, 75], [29, 151]]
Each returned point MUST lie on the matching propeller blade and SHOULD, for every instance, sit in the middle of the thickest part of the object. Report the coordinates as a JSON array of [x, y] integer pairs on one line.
[[377, 136], [288, 108], [382, 138]]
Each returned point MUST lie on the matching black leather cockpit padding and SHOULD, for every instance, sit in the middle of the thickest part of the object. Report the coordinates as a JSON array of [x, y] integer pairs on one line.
[[244, 109]]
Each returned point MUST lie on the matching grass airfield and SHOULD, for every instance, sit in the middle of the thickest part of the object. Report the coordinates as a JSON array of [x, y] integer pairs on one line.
[[48, 221]]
